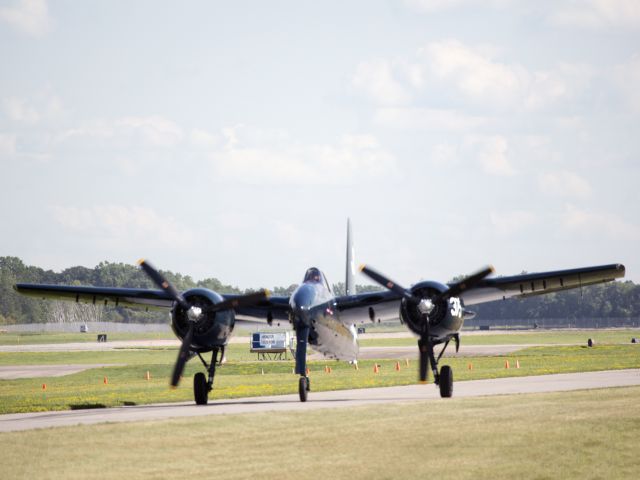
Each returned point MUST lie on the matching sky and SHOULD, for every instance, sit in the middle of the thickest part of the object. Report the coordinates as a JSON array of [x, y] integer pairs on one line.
[[234, 139]]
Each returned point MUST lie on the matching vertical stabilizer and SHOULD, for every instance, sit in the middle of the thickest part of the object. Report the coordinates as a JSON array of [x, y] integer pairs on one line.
[[349, 284]]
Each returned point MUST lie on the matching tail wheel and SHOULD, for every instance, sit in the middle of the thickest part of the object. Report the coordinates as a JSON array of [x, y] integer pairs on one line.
[[446, 381], [303, 388], [200, 388]]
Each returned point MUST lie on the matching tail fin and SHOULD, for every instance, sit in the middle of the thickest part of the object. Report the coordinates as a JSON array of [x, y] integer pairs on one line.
[[349, 283]]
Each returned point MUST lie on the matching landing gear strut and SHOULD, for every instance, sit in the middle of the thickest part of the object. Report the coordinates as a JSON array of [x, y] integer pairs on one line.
[[444, 378], [202, 384]]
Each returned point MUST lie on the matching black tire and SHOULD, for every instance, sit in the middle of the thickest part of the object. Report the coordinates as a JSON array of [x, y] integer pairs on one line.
[[446, 381], [303, 385], [200, 388]]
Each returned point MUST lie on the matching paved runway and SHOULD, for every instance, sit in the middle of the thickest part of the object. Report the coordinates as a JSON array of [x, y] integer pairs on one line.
[[333, 399], [11, 372]]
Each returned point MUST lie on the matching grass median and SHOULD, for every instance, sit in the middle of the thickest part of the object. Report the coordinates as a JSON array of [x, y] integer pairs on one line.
[[585, 434], [243, 377]]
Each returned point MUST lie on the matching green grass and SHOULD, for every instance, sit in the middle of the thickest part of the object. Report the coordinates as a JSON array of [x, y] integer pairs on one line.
[[33, 338], [572, 435], [546, 337], [241, 378]]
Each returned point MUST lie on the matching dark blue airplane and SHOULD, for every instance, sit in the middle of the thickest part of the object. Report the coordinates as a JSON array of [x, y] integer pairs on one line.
[[434, 312]]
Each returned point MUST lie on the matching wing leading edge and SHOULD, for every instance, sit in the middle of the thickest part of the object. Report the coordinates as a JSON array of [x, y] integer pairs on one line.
[[139, 298], [529, 284]]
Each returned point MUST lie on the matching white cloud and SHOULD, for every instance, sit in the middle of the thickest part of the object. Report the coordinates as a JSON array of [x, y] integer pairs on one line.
[[492, 154], [263, 159], [40, 107], [450, 69], [149, 131], [28, 16], [509, 223], [444, 154], [564, 184], [18, 111], [379, 79], [598, 14], [475, 73], [432, 6], [7, 144], [603, 224], [117, 226], [153, 130], [203, 139], [432, 119], [627, 79]]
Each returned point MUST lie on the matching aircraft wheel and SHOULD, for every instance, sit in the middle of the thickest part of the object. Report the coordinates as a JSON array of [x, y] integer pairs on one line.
[[446, 381], [200, 388], [303, 388]]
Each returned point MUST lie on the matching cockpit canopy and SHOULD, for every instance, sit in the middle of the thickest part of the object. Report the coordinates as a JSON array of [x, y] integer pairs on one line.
[[314, 275]]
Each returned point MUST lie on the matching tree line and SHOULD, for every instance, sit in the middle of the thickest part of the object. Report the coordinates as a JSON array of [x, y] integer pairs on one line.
[[611, 300]]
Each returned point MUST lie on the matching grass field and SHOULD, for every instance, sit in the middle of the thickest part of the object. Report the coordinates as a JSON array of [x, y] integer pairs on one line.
[[544, 337], [587, 435], [242, 376], [541, 337], [34, 338]]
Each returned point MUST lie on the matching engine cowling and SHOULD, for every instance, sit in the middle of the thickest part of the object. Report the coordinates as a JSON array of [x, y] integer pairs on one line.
[[446, 317], [212, 329]]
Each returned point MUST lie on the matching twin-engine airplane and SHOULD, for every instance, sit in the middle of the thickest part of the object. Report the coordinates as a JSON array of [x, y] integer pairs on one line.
[[434, 312]]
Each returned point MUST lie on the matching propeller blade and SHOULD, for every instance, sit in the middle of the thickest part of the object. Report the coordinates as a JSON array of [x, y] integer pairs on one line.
[[387, 283], [183, 356], [466, 283], [423, 367], [163, 283], [241, 301]]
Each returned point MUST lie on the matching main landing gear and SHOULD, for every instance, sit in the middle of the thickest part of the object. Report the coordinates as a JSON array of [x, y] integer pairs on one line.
[[202, 384], [444, 378]]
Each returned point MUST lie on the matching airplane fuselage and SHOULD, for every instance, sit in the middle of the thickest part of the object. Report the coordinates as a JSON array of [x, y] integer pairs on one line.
[[313, 306]]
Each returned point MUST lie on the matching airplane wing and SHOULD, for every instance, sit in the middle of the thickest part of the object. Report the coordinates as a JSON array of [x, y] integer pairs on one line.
[[377, 306], [385, 305], [529, 284], [273, 307], [108, 296]]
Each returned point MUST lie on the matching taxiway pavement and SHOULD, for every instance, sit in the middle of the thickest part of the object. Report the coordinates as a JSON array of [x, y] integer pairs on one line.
[[332, 399]]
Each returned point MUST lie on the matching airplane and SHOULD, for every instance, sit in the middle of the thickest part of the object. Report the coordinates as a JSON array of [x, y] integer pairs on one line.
[[434, 312]]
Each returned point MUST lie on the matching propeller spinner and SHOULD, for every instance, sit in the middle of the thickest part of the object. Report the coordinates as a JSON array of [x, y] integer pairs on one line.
[[425, 306], [194, 313]]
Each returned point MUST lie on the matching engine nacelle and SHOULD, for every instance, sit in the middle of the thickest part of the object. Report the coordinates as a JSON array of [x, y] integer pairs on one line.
[[212, 329], [446, 317]]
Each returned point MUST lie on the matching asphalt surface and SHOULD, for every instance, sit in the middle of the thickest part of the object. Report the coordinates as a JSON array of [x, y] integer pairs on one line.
[[11, 372], [333, 399]]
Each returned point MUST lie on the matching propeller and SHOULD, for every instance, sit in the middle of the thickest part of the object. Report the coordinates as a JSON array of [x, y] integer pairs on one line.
[[426, 306], [194, 313]]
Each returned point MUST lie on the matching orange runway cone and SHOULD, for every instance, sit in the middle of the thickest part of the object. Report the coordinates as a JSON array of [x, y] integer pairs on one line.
[[470, 366], [329, 370], [517, 363], [307, 371], [105, 380], [148, 375], [397, 366], [506, 364], [376, 369], [44, 386]]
